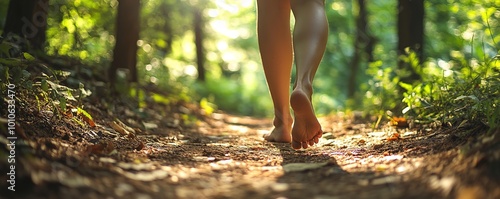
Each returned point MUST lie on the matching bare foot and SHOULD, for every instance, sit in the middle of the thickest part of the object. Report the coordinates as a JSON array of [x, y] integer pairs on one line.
[[281, 131], [306, 129]]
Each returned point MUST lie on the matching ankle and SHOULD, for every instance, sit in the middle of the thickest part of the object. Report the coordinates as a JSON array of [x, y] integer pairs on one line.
[[305, 87], [281, 119]]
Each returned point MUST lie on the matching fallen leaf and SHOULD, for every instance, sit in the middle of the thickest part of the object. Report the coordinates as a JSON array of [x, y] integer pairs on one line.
[[400, 122], [381, 167], [140, 146], [128, 128], [101, 148], [118, 128], [95, 148], [68, 113], [86, 117], [89, 121], [395, 136], [150, 125]]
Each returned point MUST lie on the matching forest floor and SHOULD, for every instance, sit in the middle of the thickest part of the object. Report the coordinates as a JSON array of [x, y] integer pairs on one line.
[[177, 151]]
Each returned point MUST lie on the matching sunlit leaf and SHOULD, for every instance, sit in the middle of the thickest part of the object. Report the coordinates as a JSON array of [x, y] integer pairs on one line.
[[161, 99], [406, 86], [86, 116], [467, 97], [207, 106], [29, 57]]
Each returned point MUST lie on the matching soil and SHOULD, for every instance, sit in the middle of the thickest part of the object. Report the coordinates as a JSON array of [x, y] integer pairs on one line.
[[179, 151]]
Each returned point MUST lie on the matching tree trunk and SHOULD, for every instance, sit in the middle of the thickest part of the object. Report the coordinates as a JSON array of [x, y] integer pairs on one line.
[[410, 34], [200, 54], [363, 47], [28, 19], [127, 35]]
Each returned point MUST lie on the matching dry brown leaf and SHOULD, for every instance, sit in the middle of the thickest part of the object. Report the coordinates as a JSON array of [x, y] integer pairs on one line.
[[128, 128], [394, 137], [140, 146], [89, 121], [68, 113], [118, 128], [95, 149], [100, 148], [400, 122]]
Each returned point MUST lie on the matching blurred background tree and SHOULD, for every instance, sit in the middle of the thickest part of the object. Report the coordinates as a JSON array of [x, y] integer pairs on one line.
[[127, 35], [26, 19], [207, 50]]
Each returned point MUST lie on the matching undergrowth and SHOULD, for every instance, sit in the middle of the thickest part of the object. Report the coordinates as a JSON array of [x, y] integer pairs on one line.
[[22, 75], [470, 94], [457, 92]]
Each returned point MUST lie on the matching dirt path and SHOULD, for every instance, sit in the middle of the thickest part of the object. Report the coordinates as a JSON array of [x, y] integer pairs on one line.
[[224, 156]]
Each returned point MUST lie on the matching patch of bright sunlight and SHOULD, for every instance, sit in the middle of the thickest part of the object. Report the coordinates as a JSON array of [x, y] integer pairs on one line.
[[238, 128], [444, 184], [222, 27]]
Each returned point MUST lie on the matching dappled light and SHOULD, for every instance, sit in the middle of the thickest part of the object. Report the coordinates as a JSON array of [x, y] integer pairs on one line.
[[168, 99]]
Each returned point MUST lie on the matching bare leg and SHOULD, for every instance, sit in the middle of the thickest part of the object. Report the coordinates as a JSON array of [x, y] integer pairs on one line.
[[275, 44], [309, 40]]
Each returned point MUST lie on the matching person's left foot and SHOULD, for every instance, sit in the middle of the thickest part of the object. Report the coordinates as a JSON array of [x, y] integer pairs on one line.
[[306, 129]]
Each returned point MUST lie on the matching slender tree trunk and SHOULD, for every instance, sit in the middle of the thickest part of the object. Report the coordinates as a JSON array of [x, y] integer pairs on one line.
[[200, 54], [28, 19], [363, 47], [127, 35], [410, 34]]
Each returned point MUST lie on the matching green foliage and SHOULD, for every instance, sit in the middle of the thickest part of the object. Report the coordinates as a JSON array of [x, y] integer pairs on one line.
[[13, 69], [227, 95], [81, 29], [465, 88], [461, 48], [44, 88], [458, 35], [382, 90], [464, 95]]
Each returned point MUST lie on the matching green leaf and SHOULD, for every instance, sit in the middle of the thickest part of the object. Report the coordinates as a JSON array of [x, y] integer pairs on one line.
[[406, 86], [11, 62], [62, 103], [26, 74], [85, 113], [62, 90], [29, 57], [207, 106], [45, 85], [5, 48], [472, 97]]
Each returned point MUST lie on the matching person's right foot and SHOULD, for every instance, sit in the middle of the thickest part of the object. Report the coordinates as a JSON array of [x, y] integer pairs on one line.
[[306, 129]]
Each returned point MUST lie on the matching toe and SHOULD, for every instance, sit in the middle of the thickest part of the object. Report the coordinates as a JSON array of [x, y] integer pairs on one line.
[[296, 145], [305, 145], [268, 137]]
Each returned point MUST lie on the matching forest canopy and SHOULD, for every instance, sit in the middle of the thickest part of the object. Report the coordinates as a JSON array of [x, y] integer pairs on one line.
[[207, 51]]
